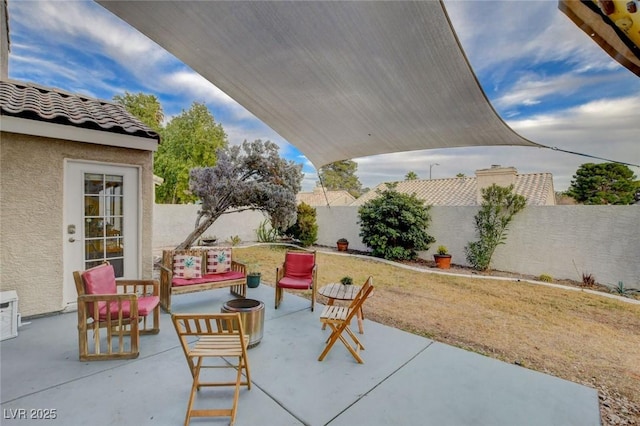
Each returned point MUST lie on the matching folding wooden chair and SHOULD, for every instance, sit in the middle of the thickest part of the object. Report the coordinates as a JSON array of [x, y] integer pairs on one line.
[[218, 335], [338, 318]]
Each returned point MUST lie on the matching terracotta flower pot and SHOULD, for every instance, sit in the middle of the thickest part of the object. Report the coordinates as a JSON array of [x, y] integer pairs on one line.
[[343, 246], [443, 261]]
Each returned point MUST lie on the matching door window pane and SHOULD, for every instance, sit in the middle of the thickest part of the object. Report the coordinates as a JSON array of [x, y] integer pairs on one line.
[[103, 219]]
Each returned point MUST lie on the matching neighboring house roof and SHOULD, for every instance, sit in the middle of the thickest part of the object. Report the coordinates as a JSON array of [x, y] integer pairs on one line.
[[34, 102], [317, 197], [463, 191]]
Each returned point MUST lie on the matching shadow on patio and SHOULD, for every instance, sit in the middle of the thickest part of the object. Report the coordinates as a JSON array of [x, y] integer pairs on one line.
[[405, 380]]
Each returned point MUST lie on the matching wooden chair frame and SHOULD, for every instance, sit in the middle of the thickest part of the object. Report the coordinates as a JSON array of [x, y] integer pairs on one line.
[[237, 287], [218, 335], [118, 326], [338, 318], [280, 273]]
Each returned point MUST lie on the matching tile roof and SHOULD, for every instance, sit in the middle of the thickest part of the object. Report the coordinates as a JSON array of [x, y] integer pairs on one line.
[[462, 191], [317, 198], [33, 102]]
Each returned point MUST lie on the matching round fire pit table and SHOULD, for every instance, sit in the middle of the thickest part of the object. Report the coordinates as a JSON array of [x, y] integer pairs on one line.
[[252, 317]]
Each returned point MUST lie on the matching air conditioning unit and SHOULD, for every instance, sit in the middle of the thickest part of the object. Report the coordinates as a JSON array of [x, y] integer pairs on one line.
[[9, 317]]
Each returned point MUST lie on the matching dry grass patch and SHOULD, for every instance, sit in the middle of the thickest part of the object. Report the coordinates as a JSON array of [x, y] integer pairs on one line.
[[574, 335]]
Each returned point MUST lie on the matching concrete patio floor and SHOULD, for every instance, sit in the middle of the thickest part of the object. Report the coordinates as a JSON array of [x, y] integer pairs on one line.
[[405, 380]]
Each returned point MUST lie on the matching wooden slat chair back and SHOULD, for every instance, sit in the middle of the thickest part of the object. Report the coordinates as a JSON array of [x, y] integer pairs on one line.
[[117, 306], [213, 336], [338, 318], [298, 272]]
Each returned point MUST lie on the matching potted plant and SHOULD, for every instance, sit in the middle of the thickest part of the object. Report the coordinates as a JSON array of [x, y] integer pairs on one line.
[[442, 258], [343, 244], [346, 280], [253, 275]]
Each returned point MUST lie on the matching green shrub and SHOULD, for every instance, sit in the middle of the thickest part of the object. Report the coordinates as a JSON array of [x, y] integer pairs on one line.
[[545, 278], [623, 291], [305, 229], [499, 205], [265, 233], [234, 240], [394, 225]]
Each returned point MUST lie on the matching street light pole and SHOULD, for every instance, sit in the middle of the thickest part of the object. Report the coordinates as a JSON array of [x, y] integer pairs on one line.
[[430, 167]]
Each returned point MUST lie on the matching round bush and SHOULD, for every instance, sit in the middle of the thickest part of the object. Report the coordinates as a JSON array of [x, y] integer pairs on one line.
[[394, 225]]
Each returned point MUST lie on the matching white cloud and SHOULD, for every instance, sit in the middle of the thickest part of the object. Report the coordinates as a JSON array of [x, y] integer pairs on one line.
[[605, 128], [74, 22], [192, 85], [503, 40], [532, 88]]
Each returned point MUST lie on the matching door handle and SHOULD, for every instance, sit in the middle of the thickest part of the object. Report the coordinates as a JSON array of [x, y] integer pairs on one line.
[[71, 239]]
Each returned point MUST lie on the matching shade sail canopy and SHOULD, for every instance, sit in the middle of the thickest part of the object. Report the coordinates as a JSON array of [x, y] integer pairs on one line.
[[338, 80]]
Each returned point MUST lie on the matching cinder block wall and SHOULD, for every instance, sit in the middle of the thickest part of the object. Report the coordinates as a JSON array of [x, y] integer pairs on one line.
[[174, 222], [562, 241]]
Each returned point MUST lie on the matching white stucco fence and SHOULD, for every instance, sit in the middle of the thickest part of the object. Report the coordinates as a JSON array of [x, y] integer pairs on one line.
[[562, 241], [173, 222]]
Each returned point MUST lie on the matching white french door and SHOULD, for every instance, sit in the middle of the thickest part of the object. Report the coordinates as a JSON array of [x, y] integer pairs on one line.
[[101, 214]]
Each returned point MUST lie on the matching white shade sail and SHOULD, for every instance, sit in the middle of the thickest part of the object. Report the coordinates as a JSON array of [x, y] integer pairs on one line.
[[338, 80]]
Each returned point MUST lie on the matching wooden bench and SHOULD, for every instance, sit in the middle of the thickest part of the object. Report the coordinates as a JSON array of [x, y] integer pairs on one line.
[[171, 283]]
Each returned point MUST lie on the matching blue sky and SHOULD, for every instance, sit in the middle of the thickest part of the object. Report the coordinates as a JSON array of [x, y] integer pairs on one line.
[[542, 74]]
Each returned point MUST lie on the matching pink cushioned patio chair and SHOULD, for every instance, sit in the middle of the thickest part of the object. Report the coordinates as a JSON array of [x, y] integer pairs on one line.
[[298, 272], [117, 306]]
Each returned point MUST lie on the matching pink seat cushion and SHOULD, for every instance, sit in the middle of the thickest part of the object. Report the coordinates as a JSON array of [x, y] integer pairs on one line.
[[299, 265], [295, 283], [146, 305], [208, 278], [100, 280]]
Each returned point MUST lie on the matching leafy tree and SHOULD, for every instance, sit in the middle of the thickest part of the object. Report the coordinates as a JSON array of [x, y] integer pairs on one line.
[[247, 177], [411, 176], [191, 140], [499, 205], [394, 225], [341, 175], [306, 228], [145, 107], [460, 175], [603, 183]]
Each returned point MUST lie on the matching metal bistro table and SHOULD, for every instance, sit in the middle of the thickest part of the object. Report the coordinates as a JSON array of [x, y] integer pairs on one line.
[[341, 292]]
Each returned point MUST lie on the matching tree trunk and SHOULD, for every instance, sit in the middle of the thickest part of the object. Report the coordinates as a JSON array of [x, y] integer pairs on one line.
[[200, 229]]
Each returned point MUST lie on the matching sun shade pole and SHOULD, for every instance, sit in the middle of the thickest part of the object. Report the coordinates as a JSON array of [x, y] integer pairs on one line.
[[324, 190]]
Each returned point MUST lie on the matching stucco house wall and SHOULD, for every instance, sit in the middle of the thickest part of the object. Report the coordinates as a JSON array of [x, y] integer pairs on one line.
[[31, 212]]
